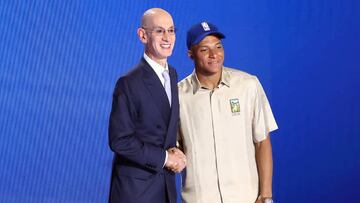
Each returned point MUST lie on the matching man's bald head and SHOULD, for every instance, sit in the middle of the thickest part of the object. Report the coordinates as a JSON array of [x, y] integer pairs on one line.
[[154, 13]]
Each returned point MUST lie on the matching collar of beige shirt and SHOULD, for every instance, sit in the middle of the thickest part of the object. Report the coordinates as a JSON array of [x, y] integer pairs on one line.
[[225, 80]]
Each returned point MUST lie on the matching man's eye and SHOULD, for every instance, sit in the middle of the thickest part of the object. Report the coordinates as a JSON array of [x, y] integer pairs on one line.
[[171, 31], [202, 50], [158, 31]]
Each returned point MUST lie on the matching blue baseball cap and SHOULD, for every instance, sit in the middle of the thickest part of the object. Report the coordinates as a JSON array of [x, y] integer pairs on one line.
[[199, 31]]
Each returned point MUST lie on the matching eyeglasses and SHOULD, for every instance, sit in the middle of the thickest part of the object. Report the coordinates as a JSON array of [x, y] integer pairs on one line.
[[159, 31]]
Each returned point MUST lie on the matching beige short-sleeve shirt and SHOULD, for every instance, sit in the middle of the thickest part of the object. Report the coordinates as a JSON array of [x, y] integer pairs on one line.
[[218, 129]]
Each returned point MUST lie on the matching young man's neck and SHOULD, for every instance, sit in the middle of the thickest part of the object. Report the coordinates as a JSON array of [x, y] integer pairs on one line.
[[209, 81]]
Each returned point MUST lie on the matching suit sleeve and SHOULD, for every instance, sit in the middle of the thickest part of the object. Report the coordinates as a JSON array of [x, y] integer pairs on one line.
[[122, 135]]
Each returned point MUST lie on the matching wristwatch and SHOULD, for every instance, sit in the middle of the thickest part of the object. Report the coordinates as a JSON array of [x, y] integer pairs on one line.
[[268, 200], [265, 199]]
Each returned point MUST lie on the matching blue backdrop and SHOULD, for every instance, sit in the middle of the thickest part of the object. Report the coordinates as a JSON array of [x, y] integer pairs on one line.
[[59, 62]]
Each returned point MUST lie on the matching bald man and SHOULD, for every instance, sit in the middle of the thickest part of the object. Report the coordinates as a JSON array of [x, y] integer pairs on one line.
[[144, 120]]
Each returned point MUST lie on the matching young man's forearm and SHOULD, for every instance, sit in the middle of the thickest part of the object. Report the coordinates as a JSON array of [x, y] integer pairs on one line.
[[265, 167]]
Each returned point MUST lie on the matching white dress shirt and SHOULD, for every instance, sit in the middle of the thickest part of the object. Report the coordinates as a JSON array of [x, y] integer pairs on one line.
[[159, 69]]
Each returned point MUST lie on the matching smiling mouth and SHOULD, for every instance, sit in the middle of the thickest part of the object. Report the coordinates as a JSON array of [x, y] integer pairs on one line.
[[213, 62], [165, 46]]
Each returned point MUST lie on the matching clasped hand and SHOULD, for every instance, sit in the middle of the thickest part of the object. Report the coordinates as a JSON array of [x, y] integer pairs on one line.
[[176, 161]]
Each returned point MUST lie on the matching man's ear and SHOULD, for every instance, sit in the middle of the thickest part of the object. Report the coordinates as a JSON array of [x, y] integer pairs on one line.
[[142, 35], [190, 54]]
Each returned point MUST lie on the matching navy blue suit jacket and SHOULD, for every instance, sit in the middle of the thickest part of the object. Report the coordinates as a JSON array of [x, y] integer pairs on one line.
[[141, 127]]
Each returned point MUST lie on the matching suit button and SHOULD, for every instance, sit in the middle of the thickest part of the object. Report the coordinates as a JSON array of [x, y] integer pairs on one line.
[[158, 126]]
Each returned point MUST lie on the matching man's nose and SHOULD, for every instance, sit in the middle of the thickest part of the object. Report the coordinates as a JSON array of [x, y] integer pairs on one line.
[[213, 53], [165, 36]]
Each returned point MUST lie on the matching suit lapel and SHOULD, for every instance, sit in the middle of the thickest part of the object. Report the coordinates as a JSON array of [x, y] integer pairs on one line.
[[156, 90], [174, 117]]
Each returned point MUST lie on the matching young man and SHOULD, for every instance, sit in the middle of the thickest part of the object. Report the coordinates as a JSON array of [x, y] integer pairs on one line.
[[144, 120], [225, 121]]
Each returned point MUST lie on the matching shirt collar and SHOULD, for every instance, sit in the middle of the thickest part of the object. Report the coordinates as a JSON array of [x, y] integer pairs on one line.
[[159, 69], [225, 80]]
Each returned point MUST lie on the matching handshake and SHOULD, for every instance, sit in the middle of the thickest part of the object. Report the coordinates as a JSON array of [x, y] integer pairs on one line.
[[176, 160]]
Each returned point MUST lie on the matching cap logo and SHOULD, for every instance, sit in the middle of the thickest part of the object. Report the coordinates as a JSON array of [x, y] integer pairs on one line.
[[205, 26]]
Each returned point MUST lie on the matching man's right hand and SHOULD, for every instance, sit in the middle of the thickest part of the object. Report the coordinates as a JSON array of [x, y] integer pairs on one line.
[[176, 161]]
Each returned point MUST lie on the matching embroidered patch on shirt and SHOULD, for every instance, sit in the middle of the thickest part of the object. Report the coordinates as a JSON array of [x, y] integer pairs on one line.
[[235, 106]]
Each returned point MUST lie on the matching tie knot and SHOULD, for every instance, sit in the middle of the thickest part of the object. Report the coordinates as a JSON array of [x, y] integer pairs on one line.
[[165, 74]]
